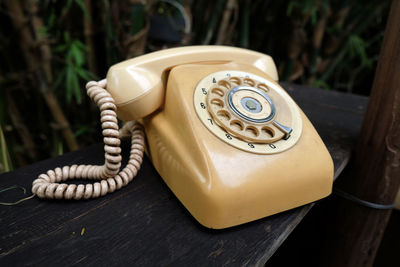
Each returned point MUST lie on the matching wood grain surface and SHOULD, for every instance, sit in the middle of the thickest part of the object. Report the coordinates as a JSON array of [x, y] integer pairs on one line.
[[144, 224], [374, 173]]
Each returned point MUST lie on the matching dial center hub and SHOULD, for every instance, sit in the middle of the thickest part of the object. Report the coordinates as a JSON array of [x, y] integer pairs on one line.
[[251, 104]]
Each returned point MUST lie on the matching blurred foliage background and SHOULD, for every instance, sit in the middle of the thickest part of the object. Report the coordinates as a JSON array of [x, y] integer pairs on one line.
[[49, 49]]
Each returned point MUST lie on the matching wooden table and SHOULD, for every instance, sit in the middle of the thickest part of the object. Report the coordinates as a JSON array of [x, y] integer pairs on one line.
[[143, 223]]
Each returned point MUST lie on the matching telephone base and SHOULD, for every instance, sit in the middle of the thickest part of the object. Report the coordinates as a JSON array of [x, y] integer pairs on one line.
[[221, 185]]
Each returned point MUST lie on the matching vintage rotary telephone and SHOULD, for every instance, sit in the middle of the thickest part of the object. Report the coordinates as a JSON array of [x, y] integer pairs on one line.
[[225, 137]]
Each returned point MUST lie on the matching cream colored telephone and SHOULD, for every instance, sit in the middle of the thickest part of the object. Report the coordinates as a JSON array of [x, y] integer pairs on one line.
[[225, 137]]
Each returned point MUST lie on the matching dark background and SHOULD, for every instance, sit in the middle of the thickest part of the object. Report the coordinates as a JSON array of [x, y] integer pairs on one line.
[[50, 49]]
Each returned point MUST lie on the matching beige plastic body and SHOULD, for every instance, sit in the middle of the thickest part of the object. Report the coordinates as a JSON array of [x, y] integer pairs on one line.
[[221, 185], [137, 85]]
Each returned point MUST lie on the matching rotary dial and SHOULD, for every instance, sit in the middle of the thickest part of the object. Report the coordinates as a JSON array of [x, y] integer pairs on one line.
[[243, 108], [247, 111]]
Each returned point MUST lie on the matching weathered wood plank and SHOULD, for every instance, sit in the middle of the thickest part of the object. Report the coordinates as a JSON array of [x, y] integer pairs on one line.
[[144, 223], [375, 167]]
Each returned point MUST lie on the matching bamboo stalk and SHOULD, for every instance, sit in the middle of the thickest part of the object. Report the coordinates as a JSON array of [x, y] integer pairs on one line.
[[188, 11], [42, 73], [222, 32], [213, 22], [48, 95], [296, 42], [88, 32], [59, 116], [297, 70], [333, 40], [244, 34], [5, 161], [44, 48], [317, 38], [21, 128], [134, 42], [135, 45], [295, 46], [117, 9], [19, 21], [232, 25]]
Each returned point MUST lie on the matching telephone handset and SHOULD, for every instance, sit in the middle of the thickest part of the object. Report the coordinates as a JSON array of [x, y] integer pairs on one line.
[[148, 74], [224, 136]]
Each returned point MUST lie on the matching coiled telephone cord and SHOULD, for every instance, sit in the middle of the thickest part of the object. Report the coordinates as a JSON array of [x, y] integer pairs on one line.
[[48, 185]]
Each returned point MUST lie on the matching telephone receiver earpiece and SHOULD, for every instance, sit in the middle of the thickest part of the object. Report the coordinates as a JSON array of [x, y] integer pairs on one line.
[[138, 84]]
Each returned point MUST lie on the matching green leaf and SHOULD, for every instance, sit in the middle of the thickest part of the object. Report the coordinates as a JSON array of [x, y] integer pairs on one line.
[[83, 8], [59, 79], [291, 5], [42, 32], [357, 48], [57, 144], [80, 45], [66, 7], [3, 107], [138, 13], [76, 88], [5, 159], [66, 37], [313, 17], [77, 55], [69, 83], [213, 21], [60, 149], [91, 75], [52, 19], [320, 84], [85, 74], [83, 129], [60, 48]]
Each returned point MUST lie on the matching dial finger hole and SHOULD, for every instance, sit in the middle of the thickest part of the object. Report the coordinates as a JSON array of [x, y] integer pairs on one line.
[[224, 115], [263, 87], [225, 84], [249, 82], [218, 103], [252, 131], [237, 125], [268, 132], [235, 80], [217, 91]]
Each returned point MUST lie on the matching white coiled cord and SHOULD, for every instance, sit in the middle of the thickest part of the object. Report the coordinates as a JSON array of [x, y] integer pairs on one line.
[[48, 185]]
